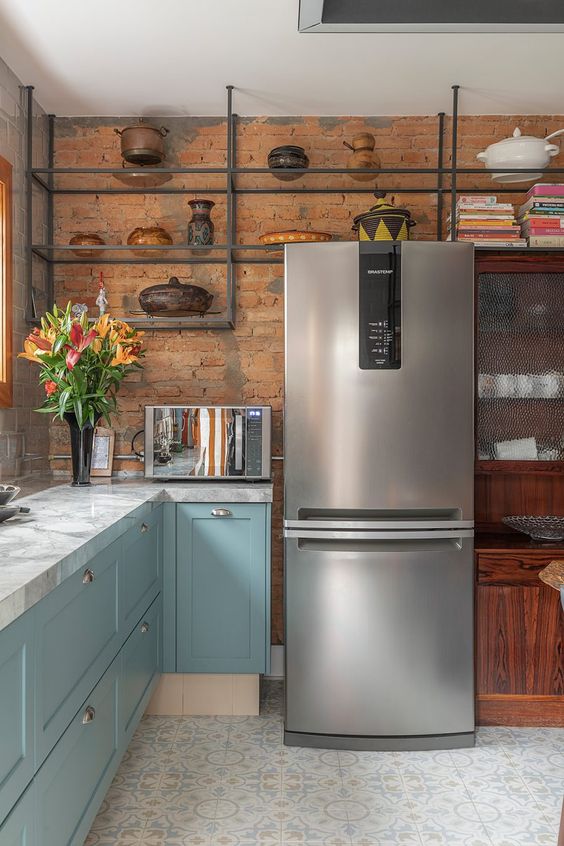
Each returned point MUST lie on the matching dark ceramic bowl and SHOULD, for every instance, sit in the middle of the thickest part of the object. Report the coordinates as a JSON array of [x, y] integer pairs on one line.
[[288, 156], [7, 511]]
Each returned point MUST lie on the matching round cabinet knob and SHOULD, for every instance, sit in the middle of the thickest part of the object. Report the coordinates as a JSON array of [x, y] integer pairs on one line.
[[144, 527], [88, 715], [88, 576], [221, 512], [145, 628]]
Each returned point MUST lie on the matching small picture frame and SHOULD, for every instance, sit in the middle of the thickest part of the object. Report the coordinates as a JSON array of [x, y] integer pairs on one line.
[[102, 452]]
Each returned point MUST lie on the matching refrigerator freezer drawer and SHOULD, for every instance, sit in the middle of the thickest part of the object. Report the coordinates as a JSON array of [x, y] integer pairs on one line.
[[379, 638]]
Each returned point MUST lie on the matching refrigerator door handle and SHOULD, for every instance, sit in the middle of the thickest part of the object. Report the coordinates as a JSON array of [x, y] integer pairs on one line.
[[331, 534], [377, 525]]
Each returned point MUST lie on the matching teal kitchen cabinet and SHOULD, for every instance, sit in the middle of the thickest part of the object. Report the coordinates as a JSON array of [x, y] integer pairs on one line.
[[77, 637], [141, 659], [140, 567], [16, 714], [222, 584], [75, 777], [19, 828]]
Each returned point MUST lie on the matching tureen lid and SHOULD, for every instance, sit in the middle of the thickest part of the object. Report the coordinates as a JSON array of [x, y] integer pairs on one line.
[[517, 136]]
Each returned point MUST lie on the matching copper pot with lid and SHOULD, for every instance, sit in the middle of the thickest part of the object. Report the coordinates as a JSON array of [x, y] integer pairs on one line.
[[142, 144]]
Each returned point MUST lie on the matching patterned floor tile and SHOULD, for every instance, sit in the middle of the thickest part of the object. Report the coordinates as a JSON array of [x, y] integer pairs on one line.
[[230, 781]]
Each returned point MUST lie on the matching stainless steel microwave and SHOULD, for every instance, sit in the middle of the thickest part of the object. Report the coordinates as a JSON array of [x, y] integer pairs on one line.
[[208, 442]]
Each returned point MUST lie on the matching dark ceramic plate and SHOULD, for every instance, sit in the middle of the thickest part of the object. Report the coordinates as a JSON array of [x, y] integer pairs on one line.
[[539, 528]]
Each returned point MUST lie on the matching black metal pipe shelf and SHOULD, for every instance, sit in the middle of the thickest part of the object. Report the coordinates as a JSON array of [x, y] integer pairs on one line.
[[446, 182]]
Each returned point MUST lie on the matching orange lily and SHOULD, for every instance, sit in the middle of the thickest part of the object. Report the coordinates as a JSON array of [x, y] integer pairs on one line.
[[123, 356], [31, 352], [102, 326]]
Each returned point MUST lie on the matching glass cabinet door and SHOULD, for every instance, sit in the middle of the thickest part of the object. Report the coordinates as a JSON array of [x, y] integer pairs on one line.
[[520, 366]]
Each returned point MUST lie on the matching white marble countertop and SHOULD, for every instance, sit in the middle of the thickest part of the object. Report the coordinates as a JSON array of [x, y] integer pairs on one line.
[[63, 530]]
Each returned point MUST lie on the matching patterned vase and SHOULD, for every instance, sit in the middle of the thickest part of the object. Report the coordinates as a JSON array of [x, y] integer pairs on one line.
[[200, 228]]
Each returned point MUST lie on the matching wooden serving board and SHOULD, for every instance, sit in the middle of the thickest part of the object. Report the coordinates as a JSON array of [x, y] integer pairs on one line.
[[553, 575]]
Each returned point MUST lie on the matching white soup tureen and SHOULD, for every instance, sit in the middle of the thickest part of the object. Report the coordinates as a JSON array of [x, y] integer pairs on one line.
[[520, 151]]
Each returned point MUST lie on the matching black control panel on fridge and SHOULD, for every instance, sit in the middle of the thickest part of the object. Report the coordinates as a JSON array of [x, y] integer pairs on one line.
[[380, 306]]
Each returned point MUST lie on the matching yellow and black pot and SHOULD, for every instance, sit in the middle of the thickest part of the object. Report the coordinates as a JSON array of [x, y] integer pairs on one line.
[[384, 222]]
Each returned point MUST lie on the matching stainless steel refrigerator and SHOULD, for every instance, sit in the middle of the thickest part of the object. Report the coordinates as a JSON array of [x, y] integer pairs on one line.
[[378, 519]]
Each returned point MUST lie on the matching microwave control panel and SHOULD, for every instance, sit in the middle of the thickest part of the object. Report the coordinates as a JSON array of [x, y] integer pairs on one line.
[[254, 441], [380, 308]]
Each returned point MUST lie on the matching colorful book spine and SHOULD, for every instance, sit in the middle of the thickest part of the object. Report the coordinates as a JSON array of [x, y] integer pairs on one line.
[[546, 241], [542, 230], [546, 204], [483, 199], [553, 222], [547, 189], [487, 236]]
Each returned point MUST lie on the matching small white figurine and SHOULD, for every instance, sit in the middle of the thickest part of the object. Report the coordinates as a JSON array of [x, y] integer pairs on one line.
[[102, 300]]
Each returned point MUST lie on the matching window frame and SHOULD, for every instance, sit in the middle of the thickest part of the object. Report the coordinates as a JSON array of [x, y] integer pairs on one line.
[[6, 259]]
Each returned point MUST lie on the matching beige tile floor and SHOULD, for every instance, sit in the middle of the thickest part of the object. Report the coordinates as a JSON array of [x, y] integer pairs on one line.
[[230, 781]]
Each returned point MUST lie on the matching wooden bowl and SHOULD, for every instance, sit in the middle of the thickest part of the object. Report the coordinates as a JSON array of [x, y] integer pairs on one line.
[[145, 236], [294, 236], [87, 239]]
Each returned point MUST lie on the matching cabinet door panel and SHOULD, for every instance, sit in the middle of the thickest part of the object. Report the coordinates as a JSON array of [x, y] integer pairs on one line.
[[19, 829], [73, 780], [141, 661], [140, 568], [16, 710], [221, 579], [77, 637], [520, 641]]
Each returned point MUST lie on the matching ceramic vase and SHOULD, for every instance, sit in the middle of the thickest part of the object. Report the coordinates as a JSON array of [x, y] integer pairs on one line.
[[200, 227], [81, 449]]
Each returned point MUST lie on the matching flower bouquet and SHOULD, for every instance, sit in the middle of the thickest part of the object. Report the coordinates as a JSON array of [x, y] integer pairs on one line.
[[81, 370]]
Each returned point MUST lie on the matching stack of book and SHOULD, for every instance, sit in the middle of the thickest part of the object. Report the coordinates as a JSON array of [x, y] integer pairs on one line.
[[481, 219], [542, 215]]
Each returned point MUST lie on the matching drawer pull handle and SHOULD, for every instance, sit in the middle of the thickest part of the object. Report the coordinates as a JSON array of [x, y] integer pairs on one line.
[[88, 715], [144, 527], [88, 576], [145, 628], [221, 512]]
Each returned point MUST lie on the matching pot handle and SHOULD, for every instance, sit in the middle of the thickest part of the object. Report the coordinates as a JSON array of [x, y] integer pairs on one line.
[[412, 223], [350, 146], [482, 157], [118, 132], [164, 131], [554, 134], [552, 149]]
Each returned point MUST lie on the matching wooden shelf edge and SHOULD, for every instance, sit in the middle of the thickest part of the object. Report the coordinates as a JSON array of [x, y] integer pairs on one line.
[[524, 467]]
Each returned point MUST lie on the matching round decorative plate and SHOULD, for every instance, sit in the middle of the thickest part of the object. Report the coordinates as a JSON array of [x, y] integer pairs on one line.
[[294, 236], [539, 528]]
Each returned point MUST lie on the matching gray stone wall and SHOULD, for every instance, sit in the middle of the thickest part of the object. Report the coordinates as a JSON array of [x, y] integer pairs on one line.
[[24, 434]]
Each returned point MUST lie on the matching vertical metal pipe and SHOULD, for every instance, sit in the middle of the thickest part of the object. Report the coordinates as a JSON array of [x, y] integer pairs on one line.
[[440, 149], [229, 216], [50, 209], [455, 89], [31, 313]]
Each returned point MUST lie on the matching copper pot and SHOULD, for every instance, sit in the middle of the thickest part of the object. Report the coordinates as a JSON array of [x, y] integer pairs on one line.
[[142, 144], [149, 236], [87, 239], [363, 155]]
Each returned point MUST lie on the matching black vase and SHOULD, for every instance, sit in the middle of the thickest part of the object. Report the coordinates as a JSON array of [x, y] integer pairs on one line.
[[81, 449]]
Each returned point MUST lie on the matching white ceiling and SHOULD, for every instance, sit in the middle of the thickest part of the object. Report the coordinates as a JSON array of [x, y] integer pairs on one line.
[[133, 57]]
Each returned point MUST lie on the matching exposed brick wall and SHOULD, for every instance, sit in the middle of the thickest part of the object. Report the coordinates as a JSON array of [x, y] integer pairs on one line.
[[20, 456], [246, 364]]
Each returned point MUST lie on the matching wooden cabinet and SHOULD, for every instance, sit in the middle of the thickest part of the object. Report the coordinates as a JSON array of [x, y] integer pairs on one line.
[[519, 635], [222, 585], [16, 713]]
